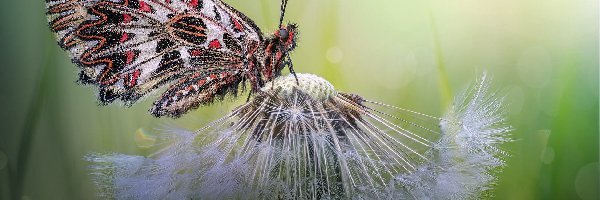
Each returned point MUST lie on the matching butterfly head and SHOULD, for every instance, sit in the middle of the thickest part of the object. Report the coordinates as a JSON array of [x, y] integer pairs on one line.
[[287, 36]]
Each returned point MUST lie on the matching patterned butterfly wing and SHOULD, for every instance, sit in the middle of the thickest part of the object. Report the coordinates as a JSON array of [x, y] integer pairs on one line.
[[129, 48]]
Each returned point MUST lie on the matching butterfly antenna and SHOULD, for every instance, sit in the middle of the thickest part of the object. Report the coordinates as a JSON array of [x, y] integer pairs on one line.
[[289, 59], [283, 6]]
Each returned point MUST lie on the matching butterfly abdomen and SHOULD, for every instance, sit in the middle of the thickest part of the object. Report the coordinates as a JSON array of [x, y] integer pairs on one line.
[[198, 89]]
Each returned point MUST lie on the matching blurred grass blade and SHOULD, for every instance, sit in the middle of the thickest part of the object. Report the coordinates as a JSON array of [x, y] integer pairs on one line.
[[445, 89], [17, 177]]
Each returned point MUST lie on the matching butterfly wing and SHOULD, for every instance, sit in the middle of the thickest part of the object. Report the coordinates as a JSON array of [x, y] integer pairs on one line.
[[128, 48]]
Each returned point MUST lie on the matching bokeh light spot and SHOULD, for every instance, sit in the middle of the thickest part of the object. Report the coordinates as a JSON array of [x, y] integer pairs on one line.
[[535, 67], [399, 74], [517, 100], [334, 55], [548, 155], [586, 182], [143, 139]]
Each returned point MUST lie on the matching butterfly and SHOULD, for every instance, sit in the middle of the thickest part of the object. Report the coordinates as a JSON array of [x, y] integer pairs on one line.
[[202, 49]]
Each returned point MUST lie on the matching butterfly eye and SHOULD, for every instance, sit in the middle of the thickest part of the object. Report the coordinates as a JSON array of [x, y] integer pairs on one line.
[[283, 34]]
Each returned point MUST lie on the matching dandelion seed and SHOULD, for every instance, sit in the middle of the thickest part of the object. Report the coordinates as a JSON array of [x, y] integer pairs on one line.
[[467, 155], [308, 141]]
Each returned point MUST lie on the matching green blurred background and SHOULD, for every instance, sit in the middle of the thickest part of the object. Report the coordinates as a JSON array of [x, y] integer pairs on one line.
[[416, 54]]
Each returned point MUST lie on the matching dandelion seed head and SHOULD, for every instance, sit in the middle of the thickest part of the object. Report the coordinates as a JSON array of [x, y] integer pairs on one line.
[[305, 140], [312, 85]]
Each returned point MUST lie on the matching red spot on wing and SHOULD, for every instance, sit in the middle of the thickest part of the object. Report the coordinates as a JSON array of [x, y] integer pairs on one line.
[[189, 88], [144, 7], [224, 74], [124, 37], [201, 82], [134, 77], [237, 24], [194, 3], [130, 56], [215, 44], [127, 18], [196, 52]]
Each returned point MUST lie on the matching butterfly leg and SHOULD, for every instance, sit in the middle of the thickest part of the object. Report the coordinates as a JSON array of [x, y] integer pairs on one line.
[[258, 83], [291, 67], [248, 98], [252, 74]]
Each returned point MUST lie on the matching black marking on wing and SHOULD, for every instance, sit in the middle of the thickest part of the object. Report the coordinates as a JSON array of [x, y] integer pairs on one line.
[[231, 43], [164, 44], [217, 14], [170, 61]]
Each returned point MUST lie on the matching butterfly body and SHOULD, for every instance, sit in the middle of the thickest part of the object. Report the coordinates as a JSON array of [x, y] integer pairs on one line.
[[202, 49]]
